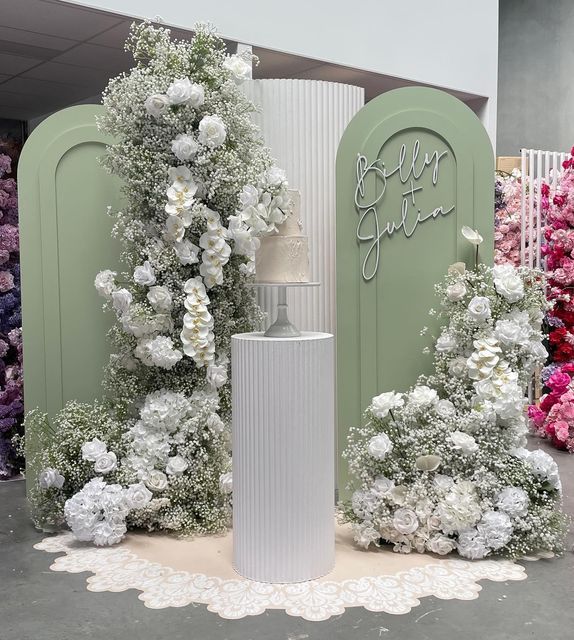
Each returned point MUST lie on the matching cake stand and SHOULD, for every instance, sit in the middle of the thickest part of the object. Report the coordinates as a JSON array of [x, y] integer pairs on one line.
[[282, 327]]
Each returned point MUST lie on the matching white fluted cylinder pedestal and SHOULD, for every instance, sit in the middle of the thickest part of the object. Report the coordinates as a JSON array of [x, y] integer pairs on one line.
[[283, 456]]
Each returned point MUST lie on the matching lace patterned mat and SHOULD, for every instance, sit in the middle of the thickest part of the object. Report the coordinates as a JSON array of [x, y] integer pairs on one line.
[[171, 572]]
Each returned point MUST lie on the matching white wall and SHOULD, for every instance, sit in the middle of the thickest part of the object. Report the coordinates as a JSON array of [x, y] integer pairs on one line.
[[446, 43]]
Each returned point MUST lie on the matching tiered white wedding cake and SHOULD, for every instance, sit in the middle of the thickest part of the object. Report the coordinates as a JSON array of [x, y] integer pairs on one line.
[[284, 255]]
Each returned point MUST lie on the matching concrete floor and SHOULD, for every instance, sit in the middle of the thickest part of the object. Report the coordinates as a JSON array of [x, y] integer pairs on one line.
[[38, 604]]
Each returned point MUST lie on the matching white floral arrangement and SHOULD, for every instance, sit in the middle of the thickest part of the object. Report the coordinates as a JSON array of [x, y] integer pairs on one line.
[[200, 189], [443, 467]]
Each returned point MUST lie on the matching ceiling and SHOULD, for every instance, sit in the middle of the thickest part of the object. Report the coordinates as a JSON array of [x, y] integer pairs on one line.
[[54, 54]]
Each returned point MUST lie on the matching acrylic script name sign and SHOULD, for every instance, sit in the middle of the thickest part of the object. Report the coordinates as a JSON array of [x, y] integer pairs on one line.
[[409, 172]]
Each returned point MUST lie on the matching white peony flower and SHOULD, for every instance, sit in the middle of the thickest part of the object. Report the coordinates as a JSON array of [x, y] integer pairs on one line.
[[507, 282], [157, 105], [379, 446], [405, 521], [471, 544], [121, 300], [50, 479], [508, 332], [456, 292], [479, 309], [385, 402], [105, 283], [144, 275], [471, 235], [156, 480], [184, 147], [106, 463], [445, 343], [176, 465], [441, 545], [423, 396], [249, 196], [216, 375], [226, 482], [513, 500], [463, 442], [239, 68], [160, 299], [93, 449], [212, 131], [138, 496], [495, 528]]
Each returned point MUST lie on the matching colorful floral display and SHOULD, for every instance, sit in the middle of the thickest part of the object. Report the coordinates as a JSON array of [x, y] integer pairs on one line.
[[11, 401], [507, 217], [443, 467], [551, 419], [200, 189]]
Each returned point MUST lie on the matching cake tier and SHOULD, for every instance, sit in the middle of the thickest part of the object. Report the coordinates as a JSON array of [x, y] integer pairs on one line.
[[283, 259]]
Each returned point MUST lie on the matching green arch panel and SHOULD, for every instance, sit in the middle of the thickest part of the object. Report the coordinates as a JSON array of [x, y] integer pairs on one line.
[[381, 308], [65, 241]]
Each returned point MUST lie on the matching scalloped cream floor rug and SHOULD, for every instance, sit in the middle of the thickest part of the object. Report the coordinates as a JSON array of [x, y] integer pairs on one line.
[[175, 572]]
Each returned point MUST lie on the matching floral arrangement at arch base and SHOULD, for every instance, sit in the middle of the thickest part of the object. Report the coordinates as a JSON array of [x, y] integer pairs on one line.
[[553, 418], [200, 189], [11, 403], [444, 467]]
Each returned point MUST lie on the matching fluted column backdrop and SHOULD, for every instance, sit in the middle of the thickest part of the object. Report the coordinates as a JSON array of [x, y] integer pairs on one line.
[[302, 122], [283, 462]]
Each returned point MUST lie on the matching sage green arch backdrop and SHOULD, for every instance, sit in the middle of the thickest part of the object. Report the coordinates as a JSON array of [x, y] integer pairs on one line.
[[379, 319], [65, 240]]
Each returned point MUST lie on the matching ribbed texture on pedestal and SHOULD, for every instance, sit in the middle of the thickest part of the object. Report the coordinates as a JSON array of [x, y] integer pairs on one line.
[[302, 122], [283, 466]]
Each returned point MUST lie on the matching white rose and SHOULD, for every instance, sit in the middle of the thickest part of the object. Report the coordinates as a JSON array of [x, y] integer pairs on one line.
[[385, 402], [239, 68], [379, 446], [216, 375], [444, 408], [471, 235], [405, 521], [508, 332], [457, 269], [144, 275], [479, 309], [226, 482], [138, 495], [215, 423], [49, 478], [105, 283], [184, 147], [441, 545], [157, 105], [383, 485], [160, 299], [106, 463], [121, 300], [422, 396], [445, 343], [457, 367], [513, 501], [275, 176], [179, 91], [507, 282], [93, 449], [196, 96], [249, 196], [176, 465], [156, 480], [464, 442], [456, 291], [212, 131]]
